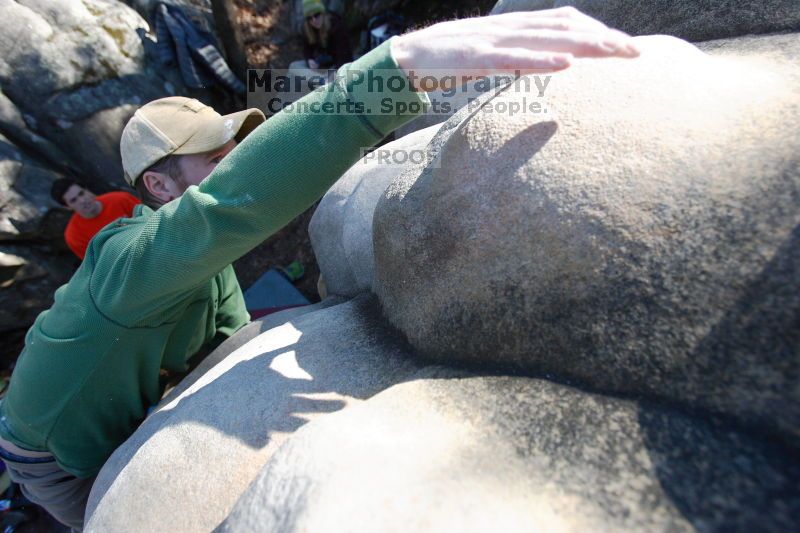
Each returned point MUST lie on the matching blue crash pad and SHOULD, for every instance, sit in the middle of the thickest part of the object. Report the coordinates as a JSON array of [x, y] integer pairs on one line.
[[272, 292]]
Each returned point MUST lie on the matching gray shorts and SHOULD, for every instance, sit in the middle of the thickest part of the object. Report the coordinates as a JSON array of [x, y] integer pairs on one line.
[[45, 483]]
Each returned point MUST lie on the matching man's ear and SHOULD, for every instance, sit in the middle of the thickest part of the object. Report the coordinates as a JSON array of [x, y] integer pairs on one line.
[[158, 185]]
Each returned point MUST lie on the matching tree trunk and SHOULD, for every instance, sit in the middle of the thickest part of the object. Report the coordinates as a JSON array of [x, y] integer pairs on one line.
[[230, 36]]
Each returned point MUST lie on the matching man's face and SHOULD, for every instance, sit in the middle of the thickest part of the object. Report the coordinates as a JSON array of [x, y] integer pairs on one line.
[[196, 167], [82, 201]]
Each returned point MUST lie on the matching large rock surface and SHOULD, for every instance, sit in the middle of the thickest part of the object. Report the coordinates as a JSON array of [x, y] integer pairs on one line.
[[24, 192], [341, 229], [694, 20], [641, 237], [187, 464], [13, 125], [518, 454], [77, 70]]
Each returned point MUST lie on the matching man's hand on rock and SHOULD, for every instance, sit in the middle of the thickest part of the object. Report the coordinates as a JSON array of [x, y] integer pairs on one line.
[[533, 41]]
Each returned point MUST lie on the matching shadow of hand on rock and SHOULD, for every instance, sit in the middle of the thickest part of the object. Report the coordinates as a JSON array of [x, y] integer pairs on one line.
[[220, 430]]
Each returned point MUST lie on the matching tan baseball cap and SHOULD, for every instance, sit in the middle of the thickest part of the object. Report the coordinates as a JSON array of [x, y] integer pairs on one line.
[[179, 125]]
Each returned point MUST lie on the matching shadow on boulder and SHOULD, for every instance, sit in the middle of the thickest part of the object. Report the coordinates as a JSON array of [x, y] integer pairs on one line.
[[189, 461]]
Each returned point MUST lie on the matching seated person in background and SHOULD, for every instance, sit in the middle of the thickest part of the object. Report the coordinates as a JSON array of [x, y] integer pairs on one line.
[[326, 44], [91, 213]]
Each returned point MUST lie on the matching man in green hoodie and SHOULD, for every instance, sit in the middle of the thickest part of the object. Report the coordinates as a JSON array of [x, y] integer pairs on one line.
[[157, 287]]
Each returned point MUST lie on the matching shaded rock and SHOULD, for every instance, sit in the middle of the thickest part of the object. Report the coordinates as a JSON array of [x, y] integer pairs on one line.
[[693, 20], [341, 229], [13, 125], [517, 454], [31, 230], [24, 192], [188, 463], [28, 290], [10, 266], [640, 237], [71, 72], [96, 138], [509, 6], [779, 48]]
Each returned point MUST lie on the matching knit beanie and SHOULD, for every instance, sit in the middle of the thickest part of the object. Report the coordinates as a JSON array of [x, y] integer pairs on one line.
[[312, 7]]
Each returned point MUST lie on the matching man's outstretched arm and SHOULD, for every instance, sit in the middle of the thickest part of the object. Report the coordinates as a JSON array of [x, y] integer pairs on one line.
[[289, 162]]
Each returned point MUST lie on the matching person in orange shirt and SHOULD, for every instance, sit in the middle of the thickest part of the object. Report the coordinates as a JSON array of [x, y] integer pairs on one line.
[[92, 213]]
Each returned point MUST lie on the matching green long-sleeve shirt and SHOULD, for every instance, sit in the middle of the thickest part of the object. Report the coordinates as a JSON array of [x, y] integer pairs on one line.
[[156, 287]]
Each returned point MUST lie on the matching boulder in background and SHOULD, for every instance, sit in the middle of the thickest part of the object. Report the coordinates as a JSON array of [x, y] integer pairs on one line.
[[30, 230], [77, 70]]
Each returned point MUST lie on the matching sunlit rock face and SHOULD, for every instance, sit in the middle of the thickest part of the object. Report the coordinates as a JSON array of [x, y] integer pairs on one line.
[[77, 70], [640, 237], [187, 464], [693, 20], [516, 454], [341, 229]]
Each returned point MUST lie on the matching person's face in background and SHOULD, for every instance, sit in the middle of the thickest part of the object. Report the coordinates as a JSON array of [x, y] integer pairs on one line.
[[315, 20], [82, 201]]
